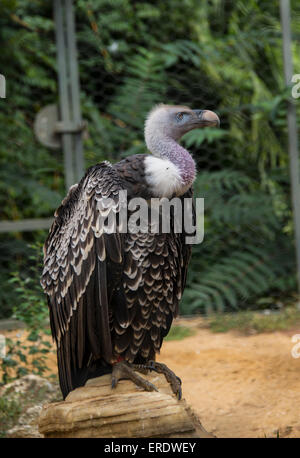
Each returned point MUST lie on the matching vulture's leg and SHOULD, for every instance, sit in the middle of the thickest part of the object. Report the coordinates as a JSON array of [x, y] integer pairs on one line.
[[172, 378], [124, 370]]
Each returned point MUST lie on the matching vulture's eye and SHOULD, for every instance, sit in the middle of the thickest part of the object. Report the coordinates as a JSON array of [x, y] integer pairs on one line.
[[182, 115]]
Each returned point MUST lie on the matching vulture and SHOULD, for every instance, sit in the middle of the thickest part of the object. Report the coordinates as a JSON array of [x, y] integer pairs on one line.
[[112, 294]]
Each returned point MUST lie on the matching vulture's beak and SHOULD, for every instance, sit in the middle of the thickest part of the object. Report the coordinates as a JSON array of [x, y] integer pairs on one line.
[[206, 118]]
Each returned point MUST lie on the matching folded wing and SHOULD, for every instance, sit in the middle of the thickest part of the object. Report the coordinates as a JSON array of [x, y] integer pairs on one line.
[[83, 265]]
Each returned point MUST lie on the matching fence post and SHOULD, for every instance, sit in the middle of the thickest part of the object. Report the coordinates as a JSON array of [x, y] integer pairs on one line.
[[69, 93], [285, 14]]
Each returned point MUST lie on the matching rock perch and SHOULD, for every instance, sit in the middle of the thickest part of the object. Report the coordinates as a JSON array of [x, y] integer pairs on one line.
[[95, 410]]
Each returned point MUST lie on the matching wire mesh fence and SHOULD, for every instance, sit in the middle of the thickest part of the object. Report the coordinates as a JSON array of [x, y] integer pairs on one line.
[[221, 55]]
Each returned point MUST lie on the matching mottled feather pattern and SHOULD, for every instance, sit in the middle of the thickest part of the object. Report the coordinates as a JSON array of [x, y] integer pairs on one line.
[[69, 249], [150, 295], [113, 294]]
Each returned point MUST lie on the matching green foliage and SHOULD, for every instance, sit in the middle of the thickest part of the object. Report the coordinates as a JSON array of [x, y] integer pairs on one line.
[[252, 322], [31, 308], [246, 251], [31, 177], [179, 333], [28, 356], [10, 410]]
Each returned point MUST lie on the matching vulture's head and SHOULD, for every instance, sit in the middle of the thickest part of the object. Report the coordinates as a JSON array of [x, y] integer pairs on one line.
[[173, 121]]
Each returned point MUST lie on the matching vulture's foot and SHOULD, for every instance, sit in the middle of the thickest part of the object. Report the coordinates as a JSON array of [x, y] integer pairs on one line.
[[124, 370], [172, 378]]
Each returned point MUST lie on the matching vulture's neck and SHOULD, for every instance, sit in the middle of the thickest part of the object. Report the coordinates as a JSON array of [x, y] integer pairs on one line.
[[172, 170]]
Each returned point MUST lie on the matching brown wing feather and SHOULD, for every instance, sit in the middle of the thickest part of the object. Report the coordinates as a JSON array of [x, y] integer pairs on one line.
[[153, 293], [108, 293], [78, 258]]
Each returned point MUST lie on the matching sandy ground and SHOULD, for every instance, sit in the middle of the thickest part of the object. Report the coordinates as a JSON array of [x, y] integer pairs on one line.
[[240, 386]]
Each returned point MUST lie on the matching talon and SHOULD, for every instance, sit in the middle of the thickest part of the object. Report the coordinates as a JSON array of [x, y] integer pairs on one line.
[[152, 366], [124, 370], [150, 385], [179, 394], [172, 378]]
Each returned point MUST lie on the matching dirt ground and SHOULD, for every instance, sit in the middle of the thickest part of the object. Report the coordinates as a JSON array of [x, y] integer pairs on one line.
[[240, 386]]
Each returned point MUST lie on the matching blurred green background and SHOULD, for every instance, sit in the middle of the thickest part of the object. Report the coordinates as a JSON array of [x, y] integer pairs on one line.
[[220, 55]]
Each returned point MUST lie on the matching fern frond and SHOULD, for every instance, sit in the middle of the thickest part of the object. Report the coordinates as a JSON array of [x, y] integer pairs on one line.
[[237, 278]]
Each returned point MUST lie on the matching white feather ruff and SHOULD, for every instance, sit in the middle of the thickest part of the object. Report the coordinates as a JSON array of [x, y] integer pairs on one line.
[[163, 177]]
